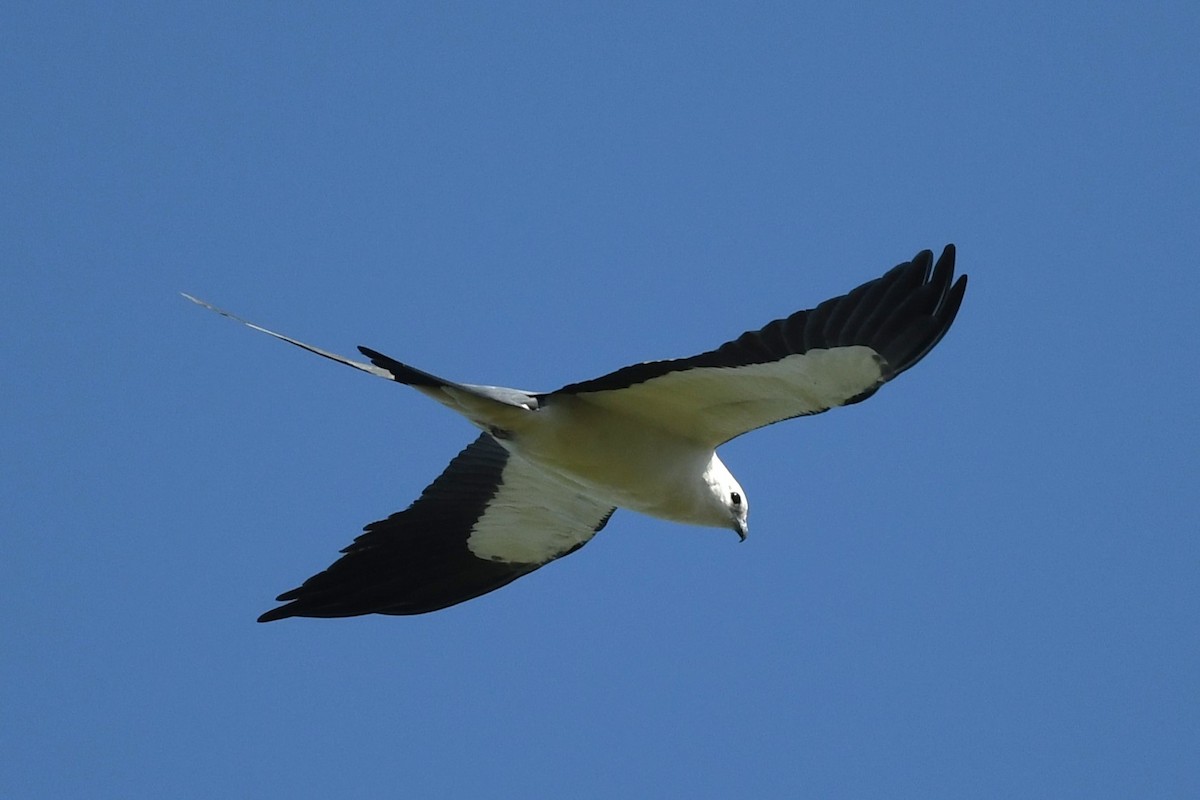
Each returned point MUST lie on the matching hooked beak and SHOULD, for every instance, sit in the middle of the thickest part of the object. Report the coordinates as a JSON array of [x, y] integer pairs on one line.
[[742, 529]]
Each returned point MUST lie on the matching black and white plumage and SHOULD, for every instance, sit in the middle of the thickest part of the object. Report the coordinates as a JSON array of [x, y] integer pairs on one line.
[[550, 468]]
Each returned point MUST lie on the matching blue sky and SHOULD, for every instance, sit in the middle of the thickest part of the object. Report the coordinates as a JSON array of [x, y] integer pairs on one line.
[[980, 583]]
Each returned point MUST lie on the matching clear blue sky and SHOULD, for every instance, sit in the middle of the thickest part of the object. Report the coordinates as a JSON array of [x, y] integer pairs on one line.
[[981, 583]]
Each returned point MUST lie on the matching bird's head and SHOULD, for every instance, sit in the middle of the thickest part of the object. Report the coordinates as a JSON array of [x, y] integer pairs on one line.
[[728, 502], [740, 512]]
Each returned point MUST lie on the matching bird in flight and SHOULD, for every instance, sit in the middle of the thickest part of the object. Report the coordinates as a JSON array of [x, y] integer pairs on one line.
[[550, 468]]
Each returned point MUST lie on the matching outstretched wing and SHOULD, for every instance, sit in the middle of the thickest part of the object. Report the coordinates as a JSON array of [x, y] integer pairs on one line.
[[838, 353], [488, 519]]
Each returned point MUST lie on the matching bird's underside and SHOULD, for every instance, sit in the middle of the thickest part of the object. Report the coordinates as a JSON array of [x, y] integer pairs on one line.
[[549, 468]]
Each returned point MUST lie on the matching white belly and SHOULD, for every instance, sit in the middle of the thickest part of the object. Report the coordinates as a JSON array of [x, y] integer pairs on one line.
[[619, 458]]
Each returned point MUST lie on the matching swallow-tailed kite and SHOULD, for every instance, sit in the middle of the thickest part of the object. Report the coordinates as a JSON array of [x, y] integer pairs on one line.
[[550, 468]]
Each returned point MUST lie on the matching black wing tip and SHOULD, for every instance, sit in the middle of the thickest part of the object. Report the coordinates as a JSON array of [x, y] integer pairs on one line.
[[952, 290], [283, 612], [923, 259], [294, 606], [319, 611], [346, 601], [927, 330], [943, 270]]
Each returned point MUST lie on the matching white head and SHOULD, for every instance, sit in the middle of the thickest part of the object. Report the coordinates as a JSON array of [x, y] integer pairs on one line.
[[727, 502]]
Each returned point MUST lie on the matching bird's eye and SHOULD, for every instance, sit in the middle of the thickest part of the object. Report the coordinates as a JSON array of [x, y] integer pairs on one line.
[[736, 498]]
